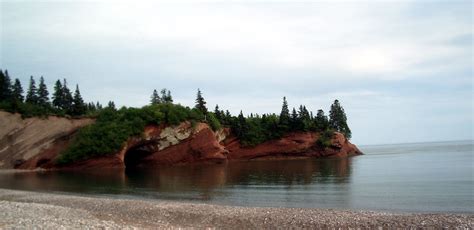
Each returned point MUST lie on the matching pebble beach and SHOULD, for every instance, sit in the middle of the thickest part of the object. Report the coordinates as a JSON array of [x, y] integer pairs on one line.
[[27, 210]]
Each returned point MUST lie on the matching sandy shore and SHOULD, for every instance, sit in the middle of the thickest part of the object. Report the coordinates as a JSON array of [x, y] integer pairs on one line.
[[26, 210]]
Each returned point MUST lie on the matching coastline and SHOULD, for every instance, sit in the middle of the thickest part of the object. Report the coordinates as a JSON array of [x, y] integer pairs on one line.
[[22, 209]]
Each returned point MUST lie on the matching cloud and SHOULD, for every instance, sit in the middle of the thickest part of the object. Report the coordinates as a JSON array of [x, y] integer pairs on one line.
[[376, 56]]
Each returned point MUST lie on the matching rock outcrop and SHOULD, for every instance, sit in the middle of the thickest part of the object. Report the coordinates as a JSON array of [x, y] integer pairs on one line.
[[299, 144], [33, 143]]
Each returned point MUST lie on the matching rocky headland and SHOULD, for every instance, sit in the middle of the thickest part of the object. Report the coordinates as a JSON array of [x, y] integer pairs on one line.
[[37, 142]]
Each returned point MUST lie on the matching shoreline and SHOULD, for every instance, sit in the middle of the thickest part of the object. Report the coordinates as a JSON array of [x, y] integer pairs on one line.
[[23, 209]]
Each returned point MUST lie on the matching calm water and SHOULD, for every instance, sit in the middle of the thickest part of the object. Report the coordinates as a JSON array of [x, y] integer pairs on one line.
[[427, 177]]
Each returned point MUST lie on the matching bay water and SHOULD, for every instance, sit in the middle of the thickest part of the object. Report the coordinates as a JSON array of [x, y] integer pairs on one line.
[[420, 177]]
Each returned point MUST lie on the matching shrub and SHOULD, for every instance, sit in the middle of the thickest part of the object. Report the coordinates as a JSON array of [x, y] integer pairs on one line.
[[113, 128], [325, 138], [213, 122], [110, 132]]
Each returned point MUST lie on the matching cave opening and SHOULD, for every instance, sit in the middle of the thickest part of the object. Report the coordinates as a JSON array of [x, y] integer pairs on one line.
[[134, 157]]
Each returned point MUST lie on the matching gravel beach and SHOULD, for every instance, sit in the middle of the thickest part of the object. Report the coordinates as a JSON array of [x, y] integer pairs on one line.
[[27, 210]]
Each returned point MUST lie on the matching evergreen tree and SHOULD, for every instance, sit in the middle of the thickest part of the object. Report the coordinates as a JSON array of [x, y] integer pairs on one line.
[[32, 94], [111, 105], [5, 86], [200, 103], [304, 121], [294, 120], [242, 127], [91, 107], [43, 94], [67, 97], [284, 115], [58, 95], [227, 117], [155, 98], [78, 107], [18, 91], [169, 99], [338, 119], [321, 121], [218, 114], [2, 85], [98, 106]]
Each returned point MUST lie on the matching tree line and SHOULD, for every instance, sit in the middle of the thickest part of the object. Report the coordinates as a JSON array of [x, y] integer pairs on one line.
[[255, 128], [37, 101], [251, 130]]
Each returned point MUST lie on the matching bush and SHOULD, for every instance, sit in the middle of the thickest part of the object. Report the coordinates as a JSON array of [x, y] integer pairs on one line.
[[110, 132], [113, 128], [213, 122], [325, 138]]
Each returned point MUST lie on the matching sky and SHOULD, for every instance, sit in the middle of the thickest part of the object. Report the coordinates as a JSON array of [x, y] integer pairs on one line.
[[402, 70]]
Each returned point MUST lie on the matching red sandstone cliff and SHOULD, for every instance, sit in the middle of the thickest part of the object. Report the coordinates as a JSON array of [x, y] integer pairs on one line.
[[161, 145]]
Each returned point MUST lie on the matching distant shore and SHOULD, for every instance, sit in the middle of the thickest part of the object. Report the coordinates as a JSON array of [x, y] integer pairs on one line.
[[42, 210]]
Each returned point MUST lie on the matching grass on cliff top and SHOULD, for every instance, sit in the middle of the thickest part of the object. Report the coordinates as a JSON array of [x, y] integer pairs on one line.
[[113, 127]]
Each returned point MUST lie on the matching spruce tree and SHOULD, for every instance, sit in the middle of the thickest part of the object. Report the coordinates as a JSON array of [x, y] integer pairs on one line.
[[91, 107], [338, 119], [155, 98], [78, 107], [111, 105], [67, 97], [304, 121], [2, 85], [200, 103], [169, 98], [32, 94], [294, 120], [242, 127], [321, 121], [58, 95], [18, 91], [284, 115], [5, 86], [43, 94], [218, 114]]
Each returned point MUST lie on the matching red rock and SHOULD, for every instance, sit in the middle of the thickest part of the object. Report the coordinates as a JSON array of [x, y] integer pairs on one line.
[[300, 144], [202, 145]]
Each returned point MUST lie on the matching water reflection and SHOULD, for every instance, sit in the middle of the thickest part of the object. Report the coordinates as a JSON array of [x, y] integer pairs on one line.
[[416, 177], [201, 180]]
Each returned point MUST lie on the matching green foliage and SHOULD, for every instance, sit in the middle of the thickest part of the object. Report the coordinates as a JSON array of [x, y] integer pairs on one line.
[[109, 133], [32, 95], [17, 92], [325, 139], [58, 100], [67, 98], [42, 94], [5, 86], [113, 127], [78, 106], [321, 121], [338, 119], [200, 103], [155, 98], [254, 132], [166, 96], [285, 116], [213, 122]]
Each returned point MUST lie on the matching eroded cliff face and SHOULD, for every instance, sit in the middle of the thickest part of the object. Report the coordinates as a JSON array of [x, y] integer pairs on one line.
[[26, 140], [33, 143], [299, 144]]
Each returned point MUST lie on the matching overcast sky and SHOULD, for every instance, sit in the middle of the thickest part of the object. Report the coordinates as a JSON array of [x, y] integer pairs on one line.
[[403, 70]]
